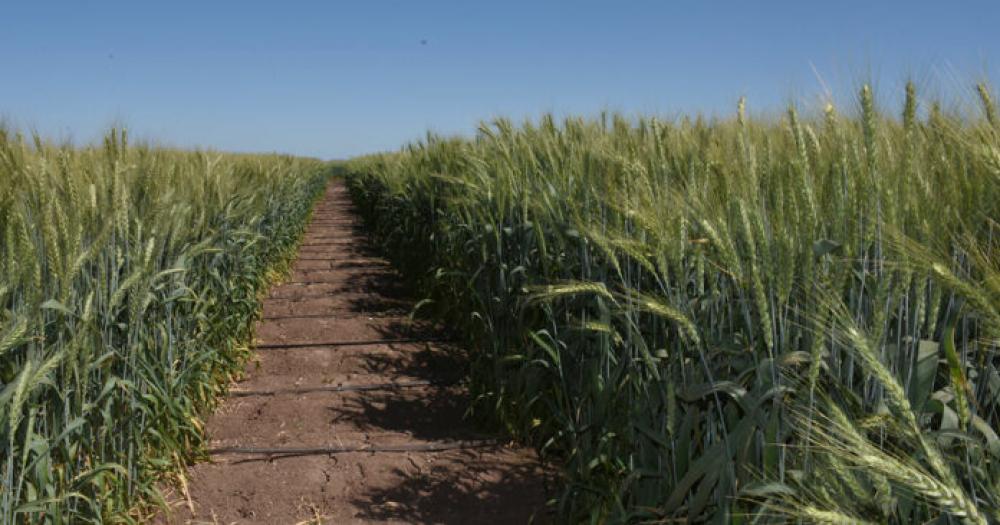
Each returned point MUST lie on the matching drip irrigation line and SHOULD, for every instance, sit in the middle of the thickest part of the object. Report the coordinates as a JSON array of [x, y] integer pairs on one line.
[[334, 317], [306, 283], [352, 238], [311, 451], [356, 277], [399, 385], [299, 298], [278, 346], [306, 242], [373, 261], [333, 294], [339, 259]]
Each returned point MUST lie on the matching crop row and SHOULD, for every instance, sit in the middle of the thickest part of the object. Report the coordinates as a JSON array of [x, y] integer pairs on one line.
[[785, 318], [129, 282]]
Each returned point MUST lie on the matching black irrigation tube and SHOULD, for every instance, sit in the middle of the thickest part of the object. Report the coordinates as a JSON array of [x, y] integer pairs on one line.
[[311, 451], [348, 239], [334, 317], [332, 294], [351, 343], [329, 294], [345, 239], [297, 298], [308, 283], [336, 259], [365, 260], [305, 297], [399, 385], [305, 283], [314, 270]]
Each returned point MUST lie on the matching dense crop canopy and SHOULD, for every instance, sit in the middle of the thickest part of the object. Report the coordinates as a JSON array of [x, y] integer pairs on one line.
[[795, 318], [129, 281]]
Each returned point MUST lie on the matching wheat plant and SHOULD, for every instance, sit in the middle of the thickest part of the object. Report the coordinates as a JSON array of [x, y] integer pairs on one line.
[[129, 282], [726, 320]]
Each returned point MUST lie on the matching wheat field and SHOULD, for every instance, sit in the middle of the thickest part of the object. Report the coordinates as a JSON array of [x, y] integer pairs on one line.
[[734, 320], [129, 281]]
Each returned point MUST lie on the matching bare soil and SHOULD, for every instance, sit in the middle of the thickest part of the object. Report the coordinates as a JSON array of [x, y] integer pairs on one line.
[[340, 292]]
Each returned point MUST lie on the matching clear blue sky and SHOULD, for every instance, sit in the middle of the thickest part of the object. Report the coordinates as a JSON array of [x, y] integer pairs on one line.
[[335, 79]]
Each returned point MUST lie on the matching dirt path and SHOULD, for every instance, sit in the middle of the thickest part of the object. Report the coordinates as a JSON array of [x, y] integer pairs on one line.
[[341, 368]]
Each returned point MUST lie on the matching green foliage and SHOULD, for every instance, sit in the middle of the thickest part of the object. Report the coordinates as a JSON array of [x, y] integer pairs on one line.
[[129, 283], [722, 320]]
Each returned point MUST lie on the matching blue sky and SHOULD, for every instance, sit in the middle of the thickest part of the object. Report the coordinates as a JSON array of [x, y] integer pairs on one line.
[[336, 79]]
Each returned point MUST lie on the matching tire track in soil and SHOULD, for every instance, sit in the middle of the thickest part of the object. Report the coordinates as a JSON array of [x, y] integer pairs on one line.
[[340, 291]]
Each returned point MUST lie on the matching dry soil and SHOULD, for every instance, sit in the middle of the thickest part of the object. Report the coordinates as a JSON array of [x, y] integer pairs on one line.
[[339, 324]]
